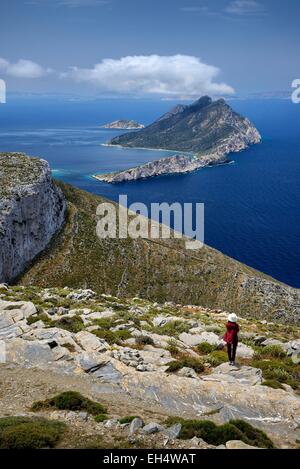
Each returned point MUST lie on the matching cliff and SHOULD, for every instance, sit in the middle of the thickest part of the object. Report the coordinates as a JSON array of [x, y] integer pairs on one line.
[[32, 210]]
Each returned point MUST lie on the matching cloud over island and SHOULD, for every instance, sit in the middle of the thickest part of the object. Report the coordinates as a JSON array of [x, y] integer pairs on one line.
[[176, 75]]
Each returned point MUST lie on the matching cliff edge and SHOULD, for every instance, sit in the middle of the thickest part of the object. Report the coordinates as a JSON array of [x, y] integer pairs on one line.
[[32, 210]]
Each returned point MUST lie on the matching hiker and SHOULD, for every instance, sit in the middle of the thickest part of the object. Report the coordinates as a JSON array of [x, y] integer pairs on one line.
[[231, 337]]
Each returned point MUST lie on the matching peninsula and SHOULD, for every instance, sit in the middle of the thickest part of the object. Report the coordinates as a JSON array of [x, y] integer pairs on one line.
[[208, 130], [123, 125]]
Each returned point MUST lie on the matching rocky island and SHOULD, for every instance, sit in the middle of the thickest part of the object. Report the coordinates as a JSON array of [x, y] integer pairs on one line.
[[123, 125], [208, 130]]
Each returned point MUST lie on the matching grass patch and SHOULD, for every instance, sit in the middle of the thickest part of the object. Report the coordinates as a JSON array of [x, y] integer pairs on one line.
[[216, 358], [272, 383], [128, 419], [270, 351], [144, 340], [72, 324], [219, 434], [113, 337], [282, 371], [205, 348], [70, 400], [29, 433], [100, 418], [189, 362], [172, 329]]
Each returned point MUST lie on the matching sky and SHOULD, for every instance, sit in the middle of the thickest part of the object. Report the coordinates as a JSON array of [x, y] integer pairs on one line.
[[149, 48]]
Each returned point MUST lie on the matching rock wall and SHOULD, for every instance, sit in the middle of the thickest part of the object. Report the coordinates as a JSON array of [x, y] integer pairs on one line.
[[32, 210]]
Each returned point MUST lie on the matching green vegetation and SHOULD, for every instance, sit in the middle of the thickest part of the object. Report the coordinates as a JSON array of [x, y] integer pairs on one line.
[[113, 337], [205, 348], [144, 340], [71, 324], [282, 371], [217, 435], [100, 418], [272, 383], [186, 361], [30, 433], [172, 329], [70, 400], [76, 257], [216, 358], [270, 351]]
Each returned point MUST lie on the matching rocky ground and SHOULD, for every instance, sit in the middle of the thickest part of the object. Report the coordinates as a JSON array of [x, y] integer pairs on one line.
[[144, 359]]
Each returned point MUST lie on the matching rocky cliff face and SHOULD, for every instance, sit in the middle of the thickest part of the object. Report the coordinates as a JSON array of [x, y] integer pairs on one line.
[[32, 210]]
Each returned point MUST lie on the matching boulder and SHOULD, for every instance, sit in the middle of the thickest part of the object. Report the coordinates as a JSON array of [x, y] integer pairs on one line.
[[89, 342], [152, 427], [244, 351], [233, 374], [135, 425], [90, 361], [173, 432], [195, 339], [268, 342], [237, 444], [187, 373]]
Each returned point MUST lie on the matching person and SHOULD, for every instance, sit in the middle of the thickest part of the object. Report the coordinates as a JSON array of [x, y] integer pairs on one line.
[[231, 337]]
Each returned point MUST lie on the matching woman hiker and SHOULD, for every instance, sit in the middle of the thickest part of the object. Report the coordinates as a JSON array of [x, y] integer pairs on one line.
[[231, 337]]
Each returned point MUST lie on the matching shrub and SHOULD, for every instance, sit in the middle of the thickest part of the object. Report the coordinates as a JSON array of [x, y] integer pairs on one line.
[[283, 371], [71, 324], [113, 337], [272, 383], [189, 362], [173, 349], [217, 435], [172, 329], [128, 419], [39, 317], [70, 400], [29, 433], [270, 351], [217, 357], [100, 418], [205, 348], [144, 340]]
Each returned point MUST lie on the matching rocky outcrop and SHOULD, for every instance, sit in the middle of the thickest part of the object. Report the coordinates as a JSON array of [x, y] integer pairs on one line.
[[124, 124], [32, 210]]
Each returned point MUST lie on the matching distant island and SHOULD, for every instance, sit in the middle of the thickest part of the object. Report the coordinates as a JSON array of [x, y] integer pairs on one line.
[[208, 130], [123, 125]]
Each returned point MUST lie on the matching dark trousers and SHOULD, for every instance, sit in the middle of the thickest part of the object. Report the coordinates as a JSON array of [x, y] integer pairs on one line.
[[231, 350]]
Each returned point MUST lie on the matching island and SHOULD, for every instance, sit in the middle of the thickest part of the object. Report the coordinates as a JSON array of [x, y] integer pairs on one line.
[[123, 125], [201, 134]]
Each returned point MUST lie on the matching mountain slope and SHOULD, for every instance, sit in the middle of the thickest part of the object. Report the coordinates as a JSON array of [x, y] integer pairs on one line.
[[158, 270], [203, 126]]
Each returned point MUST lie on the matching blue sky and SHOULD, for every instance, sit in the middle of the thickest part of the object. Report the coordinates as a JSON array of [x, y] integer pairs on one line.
[[157, 48]]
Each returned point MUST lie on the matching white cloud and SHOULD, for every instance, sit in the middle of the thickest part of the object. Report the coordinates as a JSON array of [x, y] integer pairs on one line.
[[23, 69], [175, 75], [245, 7]]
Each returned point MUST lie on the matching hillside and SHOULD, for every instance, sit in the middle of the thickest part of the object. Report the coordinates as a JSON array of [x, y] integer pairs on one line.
[[157, 270], [200, 127], [149, 368]]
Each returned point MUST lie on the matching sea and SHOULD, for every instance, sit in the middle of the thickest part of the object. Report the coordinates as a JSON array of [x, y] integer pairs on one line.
[[252, 206]]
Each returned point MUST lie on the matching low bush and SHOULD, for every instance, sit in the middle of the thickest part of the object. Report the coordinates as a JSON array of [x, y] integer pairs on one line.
[[272, 383], [70, 400], [113, 337], [189, 362], [283, 371], [205, 348], [217, 435], [71, 324], [144, 340], [30, 433], [216, 358], [270, 351], [172, 329], [128, 419], [100, 418]]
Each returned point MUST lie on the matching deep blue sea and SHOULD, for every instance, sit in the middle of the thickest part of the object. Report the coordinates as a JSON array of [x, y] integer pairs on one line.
[[252, 207]]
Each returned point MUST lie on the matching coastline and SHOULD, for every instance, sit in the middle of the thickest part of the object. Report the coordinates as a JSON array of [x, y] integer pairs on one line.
[[147, 149]]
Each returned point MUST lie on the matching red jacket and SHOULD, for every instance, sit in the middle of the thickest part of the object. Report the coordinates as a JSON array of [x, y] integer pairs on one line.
[[231, 335]]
